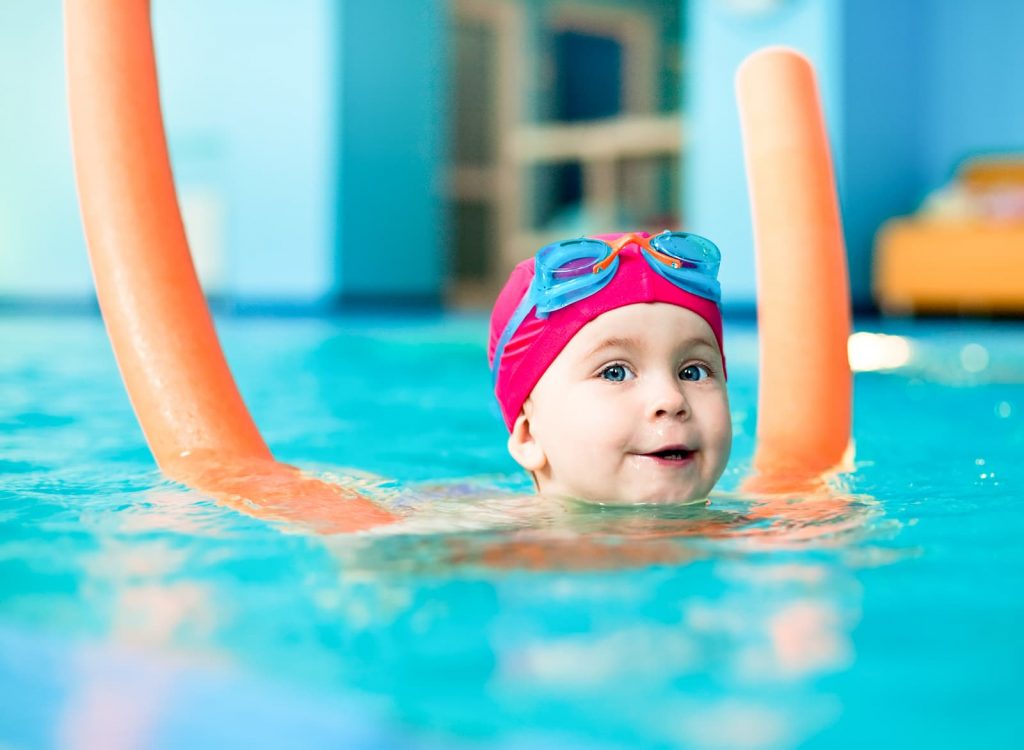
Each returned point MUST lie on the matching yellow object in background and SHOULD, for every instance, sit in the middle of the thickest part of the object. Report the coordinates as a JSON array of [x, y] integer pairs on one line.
[[987, 172], [940, 266], [964, 253]]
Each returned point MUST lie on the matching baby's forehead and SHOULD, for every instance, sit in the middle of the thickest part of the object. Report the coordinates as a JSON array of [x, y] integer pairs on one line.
[[641, 325]]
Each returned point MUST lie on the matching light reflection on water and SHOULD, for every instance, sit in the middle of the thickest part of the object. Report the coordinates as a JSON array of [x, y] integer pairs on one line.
[[485, 614]]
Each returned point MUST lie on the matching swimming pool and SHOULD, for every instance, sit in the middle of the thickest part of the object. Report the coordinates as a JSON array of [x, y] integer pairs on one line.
[[134, 613]]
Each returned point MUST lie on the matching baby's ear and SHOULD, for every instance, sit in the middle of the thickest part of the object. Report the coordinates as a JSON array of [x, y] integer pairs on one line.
[[524, 448]]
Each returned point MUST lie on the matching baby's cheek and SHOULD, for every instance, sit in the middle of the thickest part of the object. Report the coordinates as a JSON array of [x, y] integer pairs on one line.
[[724, 442], [718, 424], [725, 425]]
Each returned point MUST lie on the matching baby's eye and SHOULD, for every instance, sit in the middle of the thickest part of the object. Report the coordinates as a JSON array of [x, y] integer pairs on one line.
[[615, 373], [694, 372]]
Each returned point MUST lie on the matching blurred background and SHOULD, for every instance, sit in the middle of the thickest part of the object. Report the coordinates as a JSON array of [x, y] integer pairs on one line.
[[409, 152]]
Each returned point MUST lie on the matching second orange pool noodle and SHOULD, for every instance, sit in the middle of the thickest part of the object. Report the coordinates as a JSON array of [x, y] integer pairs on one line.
[[805, 384], [184, 396]]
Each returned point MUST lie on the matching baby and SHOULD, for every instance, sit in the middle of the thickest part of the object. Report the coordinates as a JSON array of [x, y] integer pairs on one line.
[[607, 360]]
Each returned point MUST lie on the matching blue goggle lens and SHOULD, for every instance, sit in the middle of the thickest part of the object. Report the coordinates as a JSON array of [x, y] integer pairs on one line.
[[574, 268], [571, 259], [691, 250]]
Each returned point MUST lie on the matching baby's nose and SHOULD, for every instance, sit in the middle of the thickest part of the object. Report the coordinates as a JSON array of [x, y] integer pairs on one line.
[[668, 398]]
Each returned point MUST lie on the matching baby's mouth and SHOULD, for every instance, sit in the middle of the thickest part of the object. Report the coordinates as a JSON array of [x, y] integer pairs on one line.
[[671, 454]]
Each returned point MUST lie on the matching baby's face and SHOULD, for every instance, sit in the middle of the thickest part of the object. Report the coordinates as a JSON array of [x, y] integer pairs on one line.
[[633, 410]]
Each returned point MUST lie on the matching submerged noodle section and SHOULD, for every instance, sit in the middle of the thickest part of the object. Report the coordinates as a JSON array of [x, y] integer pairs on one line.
[[194, 419], [804, 403]]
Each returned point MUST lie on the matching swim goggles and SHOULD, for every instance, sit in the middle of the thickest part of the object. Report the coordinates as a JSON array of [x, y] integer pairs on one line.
[[568, 271]]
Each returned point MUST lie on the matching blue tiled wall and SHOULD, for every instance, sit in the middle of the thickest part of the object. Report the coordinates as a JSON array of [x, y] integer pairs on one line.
[[908, 89], [715, 183], [309, 136], [295, 129]]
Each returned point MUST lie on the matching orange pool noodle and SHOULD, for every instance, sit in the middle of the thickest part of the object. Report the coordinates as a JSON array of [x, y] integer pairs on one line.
[[804, 401], [184, 396]]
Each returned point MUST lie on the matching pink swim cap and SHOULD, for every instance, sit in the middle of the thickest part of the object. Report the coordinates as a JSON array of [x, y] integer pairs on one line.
[[537, 342]]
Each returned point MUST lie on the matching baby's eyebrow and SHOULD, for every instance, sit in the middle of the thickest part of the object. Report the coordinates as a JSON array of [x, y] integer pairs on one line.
[[615, 342], [629, 343], [700, 341]]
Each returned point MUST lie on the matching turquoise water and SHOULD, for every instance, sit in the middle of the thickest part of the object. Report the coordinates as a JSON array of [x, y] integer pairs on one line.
[[135, 613]]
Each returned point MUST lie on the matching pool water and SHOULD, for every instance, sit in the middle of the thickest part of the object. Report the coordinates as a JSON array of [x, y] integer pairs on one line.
[[136, 613]]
